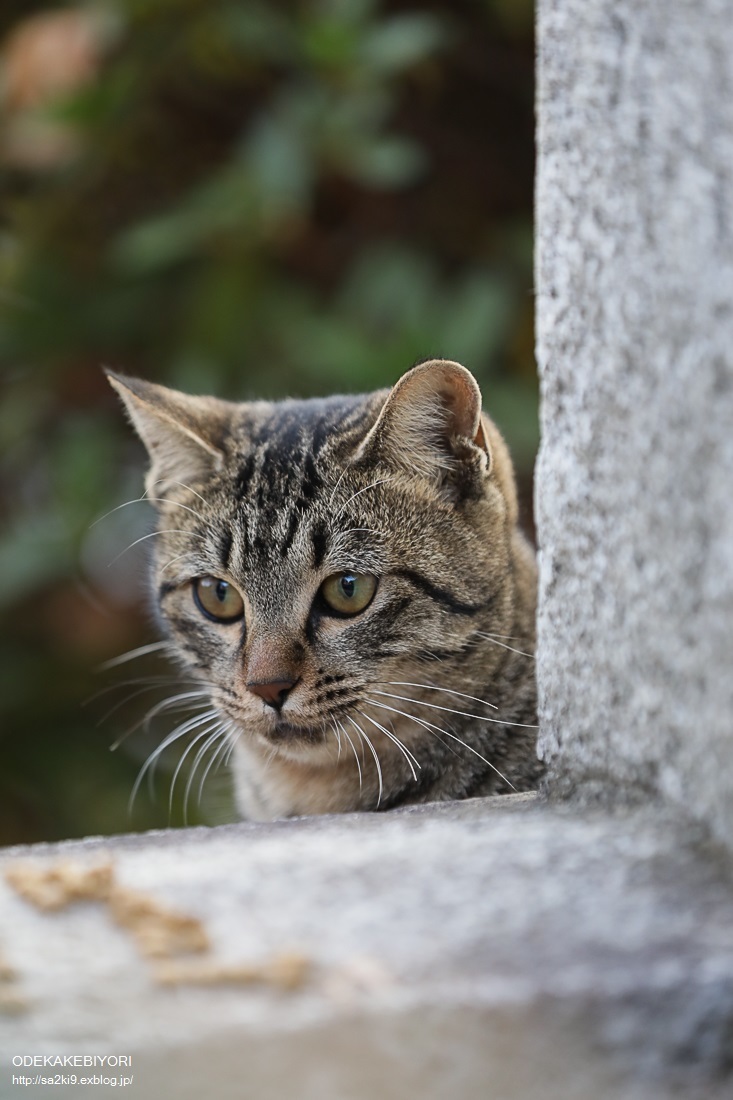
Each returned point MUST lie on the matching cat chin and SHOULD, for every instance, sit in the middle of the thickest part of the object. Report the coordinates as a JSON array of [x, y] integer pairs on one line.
[[295, 742], [287, 735], [275, 733]]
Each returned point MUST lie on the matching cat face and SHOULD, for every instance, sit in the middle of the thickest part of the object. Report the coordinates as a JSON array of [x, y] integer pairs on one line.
[[314, 555]]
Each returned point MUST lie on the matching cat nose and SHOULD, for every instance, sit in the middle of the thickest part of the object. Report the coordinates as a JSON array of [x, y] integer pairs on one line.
[[272, 692]]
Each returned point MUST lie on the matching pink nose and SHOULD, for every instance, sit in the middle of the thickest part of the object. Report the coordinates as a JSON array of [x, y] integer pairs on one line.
[[273, 692]]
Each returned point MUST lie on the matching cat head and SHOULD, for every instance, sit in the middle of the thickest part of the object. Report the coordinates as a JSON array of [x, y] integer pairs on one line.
[[311, 551]]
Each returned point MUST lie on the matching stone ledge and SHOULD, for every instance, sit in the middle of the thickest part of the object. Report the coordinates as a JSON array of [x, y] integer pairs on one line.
[[517, 949]]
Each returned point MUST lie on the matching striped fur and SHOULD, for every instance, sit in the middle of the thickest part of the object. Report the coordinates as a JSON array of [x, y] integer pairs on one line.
[[413, 486]]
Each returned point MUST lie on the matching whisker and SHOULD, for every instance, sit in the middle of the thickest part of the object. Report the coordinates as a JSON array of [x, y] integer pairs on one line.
[[210, 740], [411, 760], [374, 754], [511, 637], [430, 726], [427, 656], [180, 731], [218, 755], [353, 749], [132, 655], [494, 638], [178, 557], [146, 500], [232, 746], [379, 481], [203, 733], [184, 729], [497, 639], [434, 687], [342, 475], [123, 702], [463, 713], [343, 537], [182, 484], [337, 735], [152, 535], [167, 704], [152, 681]]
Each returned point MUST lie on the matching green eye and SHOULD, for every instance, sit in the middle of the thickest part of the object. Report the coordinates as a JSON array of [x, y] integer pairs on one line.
[[348, 593], [218, 600]]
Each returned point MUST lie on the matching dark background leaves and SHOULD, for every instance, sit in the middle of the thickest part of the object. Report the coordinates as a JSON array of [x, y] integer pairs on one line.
[[248, 199]]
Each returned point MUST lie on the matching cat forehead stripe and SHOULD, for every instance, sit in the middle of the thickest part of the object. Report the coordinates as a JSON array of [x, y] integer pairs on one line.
[[226, 541], [279, 482]]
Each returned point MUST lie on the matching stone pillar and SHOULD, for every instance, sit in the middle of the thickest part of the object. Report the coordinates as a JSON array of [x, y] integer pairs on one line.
[[635, 352]]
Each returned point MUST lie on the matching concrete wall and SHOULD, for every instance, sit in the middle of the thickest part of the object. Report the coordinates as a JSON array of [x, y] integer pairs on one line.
[[493, 949], [635, 350]]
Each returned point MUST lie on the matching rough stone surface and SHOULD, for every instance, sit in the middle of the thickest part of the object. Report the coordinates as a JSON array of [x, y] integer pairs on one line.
[[514, 949], [635, 349]]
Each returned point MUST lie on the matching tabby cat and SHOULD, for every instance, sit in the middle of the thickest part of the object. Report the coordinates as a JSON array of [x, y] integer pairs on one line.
[[347, 580]]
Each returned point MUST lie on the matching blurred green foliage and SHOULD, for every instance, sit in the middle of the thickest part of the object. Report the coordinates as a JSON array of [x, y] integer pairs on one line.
[[244, 198]]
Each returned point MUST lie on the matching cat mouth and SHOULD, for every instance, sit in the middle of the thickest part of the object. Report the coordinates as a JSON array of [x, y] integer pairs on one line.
[[285, 732]]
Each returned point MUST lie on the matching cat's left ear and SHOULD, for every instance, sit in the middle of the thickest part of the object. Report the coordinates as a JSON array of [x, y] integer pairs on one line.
[[431, 426], [183, 434]]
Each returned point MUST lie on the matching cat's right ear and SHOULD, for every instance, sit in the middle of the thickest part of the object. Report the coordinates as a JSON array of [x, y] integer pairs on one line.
[[183, 435], [431, 427]]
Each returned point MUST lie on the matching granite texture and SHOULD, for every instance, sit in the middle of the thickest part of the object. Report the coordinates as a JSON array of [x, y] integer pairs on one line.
[[635, 352], [498, 947]]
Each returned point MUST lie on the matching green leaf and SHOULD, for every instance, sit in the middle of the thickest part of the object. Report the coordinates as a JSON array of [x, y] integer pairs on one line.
[[280, 163], [476, 318], [258, 28], [386, 162], [398, 43]]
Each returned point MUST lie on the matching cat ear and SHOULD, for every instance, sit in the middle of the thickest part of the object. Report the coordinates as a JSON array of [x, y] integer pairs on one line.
[[183, 434], [431, 426]]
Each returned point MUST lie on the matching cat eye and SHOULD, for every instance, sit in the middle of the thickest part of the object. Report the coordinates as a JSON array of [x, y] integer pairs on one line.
[[348, 593], [218, 600]]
